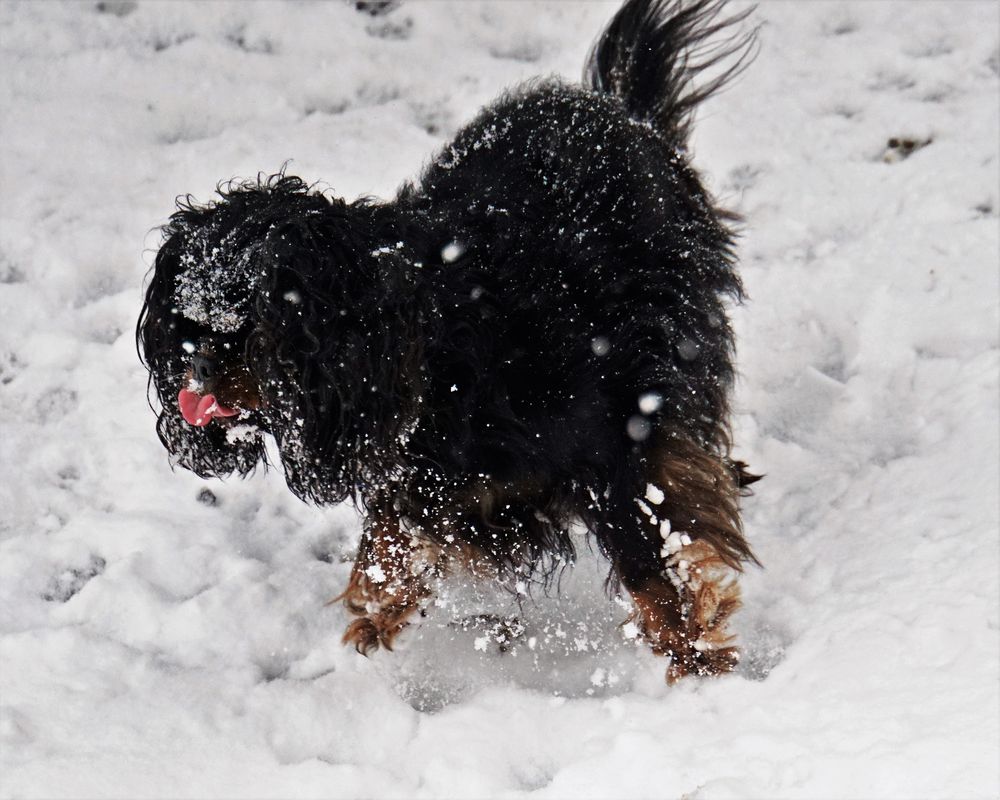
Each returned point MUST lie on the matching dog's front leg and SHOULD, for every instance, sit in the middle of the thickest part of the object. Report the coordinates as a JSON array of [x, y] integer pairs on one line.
[[390, 578]]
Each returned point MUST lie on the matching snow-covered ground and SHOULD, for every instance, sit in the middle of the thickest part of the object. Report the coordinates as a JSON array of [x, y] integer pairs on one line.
[[158, 640]]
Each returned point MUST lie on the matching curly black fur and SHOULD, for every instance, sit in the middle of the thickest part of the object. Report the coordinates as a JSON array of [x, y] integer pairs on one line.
[[473, 352]]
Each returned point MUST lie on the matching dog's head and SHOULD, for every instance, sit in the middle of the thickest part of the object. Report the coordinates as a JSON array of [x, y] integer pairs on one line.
[[269, 313]]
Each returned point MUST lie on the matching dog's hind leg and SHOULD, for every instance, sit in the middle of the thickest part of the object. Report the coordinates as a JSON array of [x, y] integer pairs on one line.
[[392, 575], [678, 551], [683, 611]]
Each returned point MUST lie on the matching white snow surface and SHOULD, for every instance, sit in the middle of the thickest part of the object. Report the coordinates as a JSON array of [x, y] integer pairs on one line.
[[158, 645]]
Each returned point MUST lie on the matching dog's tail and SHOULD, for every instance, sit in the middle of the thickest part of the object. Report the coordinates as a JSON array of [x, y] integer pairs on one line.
[[652, 50]]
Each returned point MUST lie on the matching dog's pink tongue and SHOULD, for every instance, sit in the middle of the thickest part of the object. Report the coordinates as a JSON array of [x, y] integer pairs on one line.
[[198, 410], [188, 402]]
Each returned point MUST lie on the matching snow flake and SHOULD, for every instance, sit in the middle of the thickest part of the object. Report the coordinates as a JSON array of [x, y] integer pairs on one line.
[[650, 402], [688, 349], [452, 251], [638, 428], [600, 345], [630, 630], [242, 433]]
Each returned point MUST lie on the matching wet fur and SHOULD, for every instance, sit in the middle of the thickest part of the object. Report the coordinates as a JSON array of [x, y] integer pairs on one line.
[[466, 360]]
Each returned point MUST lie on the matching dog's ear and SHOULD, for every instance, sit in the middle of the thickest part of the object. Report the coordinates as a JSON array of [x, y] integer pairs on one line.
[[320, 253], [329, 350], [312, 278]]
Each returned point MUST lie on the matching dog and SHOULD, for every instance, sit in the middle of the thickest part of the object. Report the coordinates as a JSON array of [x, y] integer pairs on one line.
[[531, 336]]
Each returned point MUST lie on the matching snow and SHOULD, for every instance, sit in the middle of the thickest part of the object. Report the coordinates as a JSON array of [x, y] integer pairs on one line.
[[451, 252], [654, 494], [165, 636], [650, 402]]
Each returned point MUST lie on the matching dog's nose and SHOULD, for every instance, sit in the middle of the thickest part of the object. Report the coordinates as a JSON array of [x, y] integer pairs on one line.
[[203, 367]]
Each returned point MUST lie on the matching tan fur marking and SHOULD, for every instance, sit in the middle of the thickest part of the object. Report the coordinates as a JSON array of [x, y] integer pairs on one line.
[[701, 496], [684, 614], [692, 503], [388, 582]]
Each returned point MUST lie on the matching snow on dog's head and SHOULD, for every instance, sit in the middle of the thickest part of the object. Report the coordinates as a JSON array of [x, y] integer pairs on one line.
[[260, 313]]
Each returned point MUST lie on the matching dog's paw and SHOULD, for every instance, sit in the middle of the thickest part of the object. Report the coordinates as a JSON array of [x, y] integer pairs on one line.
[[702, 662], [378, 629], [363, 633], [706, 645]]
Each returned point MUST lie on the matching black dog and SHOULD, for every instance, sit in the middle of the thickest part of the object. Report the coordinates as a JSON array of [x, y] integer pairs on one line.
[[532, 335]]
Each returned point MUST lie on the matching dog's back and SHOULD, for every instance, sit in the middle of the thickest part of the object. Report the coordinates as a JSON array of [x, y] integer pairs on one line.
[[589, 256]]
